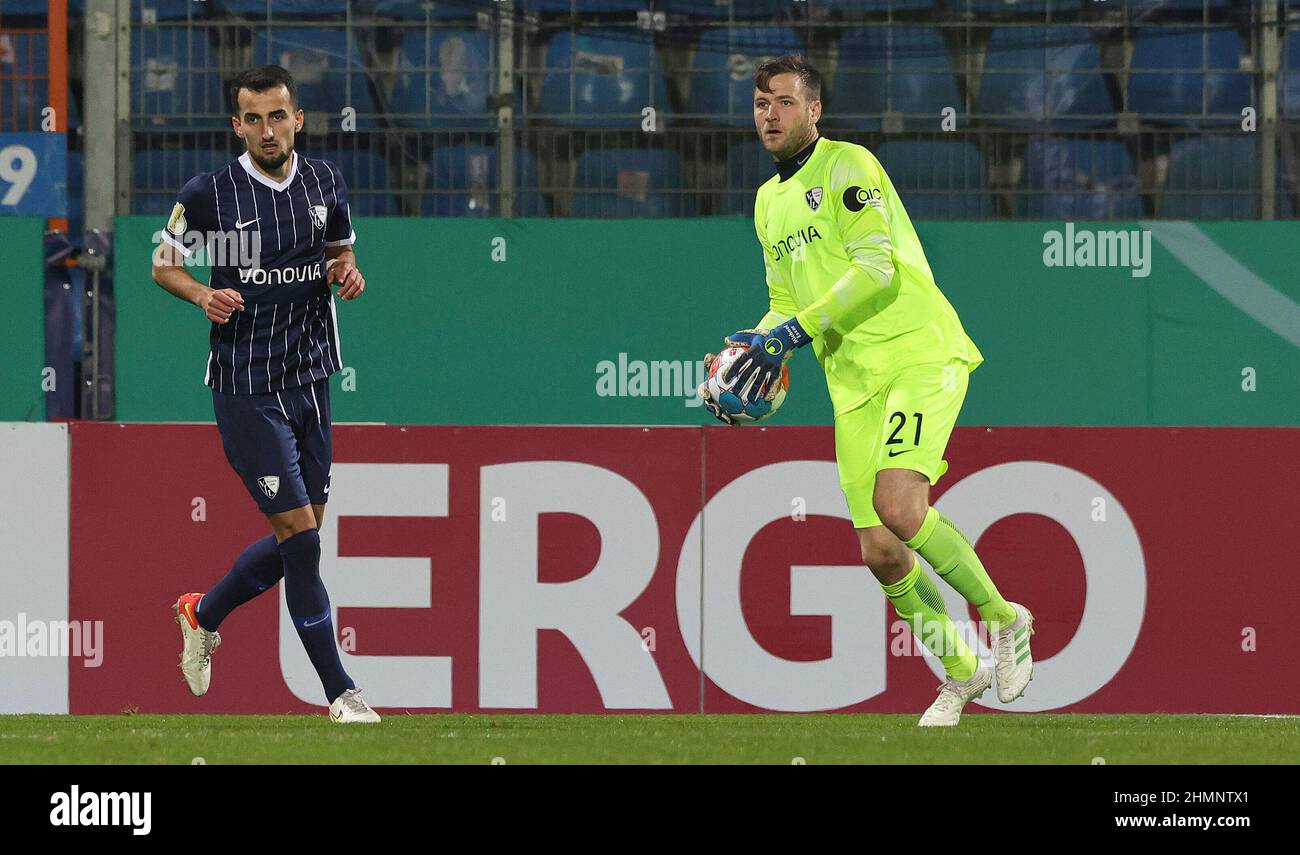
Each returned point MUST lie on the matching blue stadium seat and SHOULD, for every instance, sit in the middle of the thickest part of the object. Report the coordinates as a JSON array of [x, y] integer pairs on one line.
[[1166, 82], [324, 65], [1288, 91], [722, 73], [23, 97], [629, 183], [938, 179], [1012, 7], [721, 10], [582, 7], [160, 174], [444, 79], [899, 69], [366, 175], [1211, 178], [599, 78], [421, 10], [462, 179], [1039, 76], [853, 6], [164, 10], [748, 166], [1078, 179], [284, 8], [174, 79]]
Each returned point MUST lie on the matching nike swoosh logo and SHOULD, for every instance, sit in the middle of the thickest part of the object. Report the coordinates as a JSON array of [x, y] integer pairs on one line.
[[322, 620], [241, 225], [189, 613], [904, 451]]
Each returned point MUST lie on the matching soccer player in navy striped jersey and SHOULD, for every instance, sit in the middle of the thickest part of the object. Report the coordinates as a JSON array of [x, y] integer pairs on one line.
[[276, 230]]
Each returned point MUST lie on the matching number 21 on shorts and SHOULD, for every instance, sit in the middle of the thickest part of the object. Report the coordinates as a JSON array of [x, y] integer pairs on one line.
[[897, 436]]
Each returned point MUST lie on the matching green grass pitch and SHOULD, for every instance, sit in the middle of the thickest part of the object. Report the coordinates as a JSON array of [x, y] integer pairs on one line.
[[832, 738]]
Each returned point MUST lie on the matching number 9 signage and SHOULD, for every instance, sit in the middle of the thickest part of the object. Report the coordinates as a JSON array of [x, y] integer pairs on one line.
[[33, 174]]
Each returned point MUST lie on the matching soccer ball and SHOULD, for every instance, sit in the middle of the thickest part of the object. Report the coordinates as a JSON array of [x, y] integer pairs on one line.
[[729, 399]]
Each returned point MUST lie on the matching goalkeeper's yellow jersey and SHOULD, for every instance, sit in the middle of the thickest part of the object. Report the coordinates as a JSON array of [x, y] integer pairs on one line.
[[842, 256]]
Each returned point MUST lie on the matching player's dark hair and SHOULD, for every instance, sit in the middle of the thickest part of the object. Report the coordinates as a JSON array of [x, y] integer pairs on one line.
[[260, 79], [788, 64]]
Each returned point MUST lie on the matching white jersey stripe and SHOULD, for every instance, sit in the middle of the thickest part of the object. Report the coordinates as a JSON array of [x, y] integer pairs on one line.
[[252, 337], [270, 337]]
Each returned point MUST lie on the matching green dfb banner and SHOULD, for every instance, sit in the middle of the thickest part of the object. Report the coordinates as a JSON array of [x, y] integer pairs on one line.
[[24, 376], [604, 322]]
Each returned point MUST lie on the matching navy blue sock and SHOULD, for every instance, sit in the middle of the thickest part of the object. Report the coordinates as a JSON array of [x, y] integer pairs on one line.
[[257, 568], [309, 605]]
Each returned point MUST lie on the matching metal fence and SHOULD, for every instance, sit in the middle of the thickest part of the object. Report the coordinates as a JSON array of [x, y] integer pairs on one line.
[[977, 108]]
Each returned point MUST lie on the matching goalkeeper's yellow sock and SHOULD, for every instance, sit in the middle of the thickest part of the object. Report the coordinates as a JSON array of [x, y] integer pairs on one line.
[[950, 554], [918, 602]]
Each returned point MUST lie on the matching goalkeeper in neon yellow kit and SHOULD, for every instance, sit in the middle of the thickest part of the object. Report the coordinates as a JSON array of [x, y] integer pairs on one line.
[[846, 274]]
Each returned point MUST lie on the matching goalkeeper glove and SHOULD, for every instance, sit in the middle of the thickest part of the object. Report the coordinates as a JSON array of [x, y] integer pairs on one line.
[[757, 371]]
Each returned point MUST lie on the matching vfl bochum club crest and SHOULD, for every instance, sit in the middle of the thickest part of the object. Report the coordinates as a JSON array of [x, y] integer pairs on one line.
[[814, 197], [270, 485], [318, 216]]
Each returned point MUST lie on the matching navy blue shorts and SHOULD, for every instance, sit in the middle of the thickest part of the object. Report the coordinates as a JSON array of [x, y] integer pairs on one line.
[[279, 444]]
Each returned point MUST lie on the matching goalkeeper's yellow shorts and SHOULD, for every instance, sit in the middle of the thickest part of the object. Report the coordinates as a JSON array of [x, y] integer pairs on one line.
[[906, 425]]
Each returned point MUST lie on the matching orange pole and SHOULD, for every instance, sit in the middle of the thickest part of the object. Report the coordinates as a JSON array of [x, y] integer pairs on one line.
[[58, 80]]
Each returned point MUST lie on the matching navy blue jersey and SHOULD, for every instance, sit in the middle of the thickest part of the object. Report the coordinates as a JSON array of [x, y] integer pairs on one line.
[[266, 240]]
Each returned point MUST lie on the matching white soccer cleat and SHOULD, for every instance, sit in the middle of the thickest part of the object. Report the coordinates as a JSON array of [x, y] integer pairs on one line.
[[197, 645], [351, 708], [953, 695], [1011, 657]]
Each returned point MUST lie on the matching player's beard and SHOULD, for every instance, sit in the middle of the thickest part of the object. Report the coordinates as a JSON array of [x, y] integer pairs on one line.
[[271, 164]]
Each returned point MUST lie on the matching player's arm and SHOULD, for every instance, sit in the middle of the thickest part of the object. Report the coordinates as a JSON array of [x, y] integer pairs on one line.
[[341, 269], [340, 259], [857, 191], [168, 262]]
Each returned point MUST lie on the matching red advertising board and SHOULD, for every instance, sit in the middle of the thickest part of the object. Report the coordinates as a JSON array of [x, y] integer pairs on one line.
[[559, 570]]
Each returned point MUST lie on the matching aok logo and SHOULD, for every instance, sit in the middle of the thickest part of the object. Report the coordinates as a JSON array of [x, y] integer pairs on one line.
[[513, 604]]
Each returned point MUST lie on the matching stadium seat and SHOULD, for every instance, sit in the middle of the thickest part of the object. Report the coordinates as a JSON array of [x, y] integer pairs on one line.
[[1288, 89], [366, 175], [899, 69], [324, 62], [722, 72], [462, 179], [284, 8], [856, 6], [168, 10], [174, 79], [421, 10], [629, 183], [938, 179], [748, 166], [24, 80], [1011, 7], [444, 79], [722, 10], [599, 78], [582, 7], [1040, 76], [1166, 83], [1211, 178], [159, 174], [1091, 179]]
